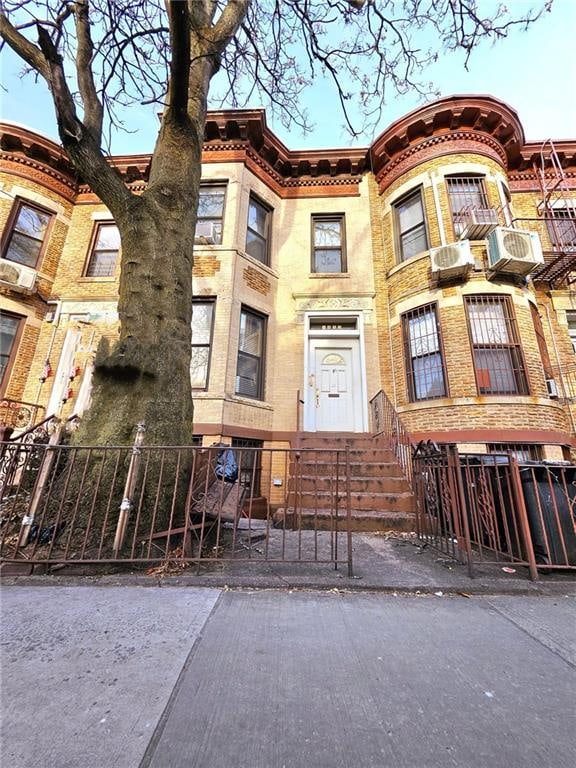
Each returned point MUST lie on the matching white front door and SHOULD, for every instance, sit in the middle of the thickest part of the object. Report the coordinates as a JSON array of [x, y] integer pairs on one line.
[[334, 388]]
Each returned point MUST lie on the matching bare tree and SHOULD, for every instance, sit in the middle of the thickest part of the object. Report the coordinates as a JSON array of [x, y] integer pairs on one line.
[[97, 55]]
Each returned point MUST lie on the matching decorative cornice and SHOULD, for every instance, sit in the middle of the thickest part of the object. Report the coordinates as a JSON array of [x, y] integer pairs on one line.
[[464, 141], [473, 123], [29, 168]]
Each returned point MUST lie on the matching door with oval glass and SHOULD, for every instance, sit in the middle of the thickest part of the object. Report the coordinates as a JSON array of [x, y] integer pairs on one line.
[[333, 385]]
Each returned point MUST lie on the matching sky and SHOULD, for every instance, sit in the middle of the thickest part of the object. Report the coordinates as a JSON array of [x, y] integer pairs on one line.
[[533, 71]]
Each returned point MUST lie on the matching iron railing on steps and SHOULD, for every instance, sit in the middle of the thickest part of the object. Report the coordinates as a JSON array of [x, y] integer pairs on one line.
[[387, 423]]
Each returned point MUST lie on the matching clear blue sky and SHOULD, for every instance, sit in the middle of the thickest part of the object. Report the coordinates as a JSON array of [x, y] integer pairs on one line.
[[533, 71]]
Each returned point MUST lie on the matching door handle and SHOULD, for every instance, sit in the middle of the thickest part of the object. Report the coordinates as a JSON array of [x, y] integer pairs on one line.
[[317, 398]]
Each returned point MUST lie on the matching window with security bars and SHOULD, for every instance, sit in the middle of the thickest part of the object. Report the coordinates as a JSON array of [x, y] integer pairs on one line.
[[497, 354], [410, 225], [466, 194], [249, 457], [520, 452], [562, 228], [328, 252], [25, 236], [250, 365], [202, 324], [104, 251], [423, 354], [210, 214]]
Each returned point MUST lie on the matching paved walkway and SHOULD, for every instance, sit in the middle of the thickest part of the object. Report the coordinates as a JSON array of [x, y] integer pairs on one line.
[[121, 677], [379, 564]]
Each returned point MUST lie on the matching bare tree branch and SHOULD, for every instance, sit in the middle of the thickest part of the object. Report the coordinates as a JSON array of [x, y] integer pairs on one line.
[[93, 110]]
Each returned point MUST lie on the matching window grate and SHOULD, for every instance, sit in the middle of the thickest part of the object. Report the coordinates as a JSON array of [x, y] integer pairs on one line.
[[466, 194], [249, 463], [520, 451], [498, 360], [423, 354]]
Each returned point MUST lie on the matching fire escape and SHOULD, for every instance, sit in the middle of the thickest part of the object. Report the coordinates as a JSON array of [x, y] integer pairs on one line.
[[555, 222]]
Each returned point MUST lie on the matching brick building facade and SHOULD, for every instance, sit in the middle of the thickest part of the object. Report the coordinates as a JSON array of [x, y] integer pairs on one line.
[[322, 277]]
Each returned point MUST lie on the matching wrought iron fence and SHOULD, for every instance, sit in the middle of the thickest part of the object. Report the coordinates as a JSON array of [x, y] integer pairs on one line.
[[387, 423], [493, 510], [184, 505], [18, 415]]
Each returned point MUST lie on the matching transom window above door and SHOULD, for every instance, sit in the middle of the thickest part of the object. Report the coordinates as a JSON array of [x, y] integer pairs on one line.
[[328, 244]]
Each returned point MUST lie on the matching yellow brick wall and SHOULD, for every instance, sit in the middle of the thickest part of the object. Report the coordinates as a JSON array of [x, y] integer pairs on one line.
[[32, 308]]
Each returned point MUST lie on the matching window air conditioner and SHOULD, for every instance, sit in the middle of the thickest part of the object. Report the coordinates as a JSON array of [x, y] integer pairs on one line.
[[552, 388], [477, 224], [514, 251], [450, 261], [17, 276], [206, 233]]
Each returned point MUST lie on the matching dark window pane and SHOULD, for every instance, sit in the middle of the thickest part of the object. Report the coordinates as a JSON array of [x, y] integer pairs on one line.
[[8, 329], [256, 246], [249, 380], [257, 232], [247, 375], [23, 250]]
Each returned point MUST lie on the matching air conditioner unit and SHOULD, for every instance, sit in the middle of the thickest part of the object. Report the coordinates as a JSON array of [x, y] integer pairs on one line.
[[207, 233], [514, 251], [552, 388], [17, 276], [451, 261], [477, 224]]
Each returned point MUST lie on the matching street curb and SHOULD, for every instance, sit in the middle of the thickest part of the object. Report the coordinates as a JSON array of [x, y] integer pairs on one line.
[[282, 584]]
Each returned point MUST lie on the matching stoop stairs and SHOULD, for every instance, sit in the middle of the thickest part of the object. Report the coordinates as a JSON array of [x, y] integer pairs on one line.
[[380, 495]]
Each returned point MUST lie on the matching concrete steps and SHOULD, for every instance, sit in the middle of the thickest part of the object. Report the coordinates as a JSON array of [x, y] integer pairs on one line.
[[380, 496]]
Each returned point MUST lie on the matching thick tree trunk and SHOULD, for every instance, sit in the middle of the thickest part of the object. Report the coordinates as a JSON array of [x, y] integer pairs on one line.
[[146, 375]]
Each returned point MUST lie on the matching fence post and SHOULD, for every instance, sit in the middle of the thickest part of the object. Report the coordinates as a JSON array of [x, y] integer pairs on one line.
[[461, 506], [43, 474], [130, 485], [348, 513], [523, 517]]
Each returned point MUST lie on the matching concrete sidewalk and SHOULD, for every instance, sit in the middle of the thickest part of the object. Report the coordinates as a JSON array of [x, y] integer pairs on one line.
[[197, 678]]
